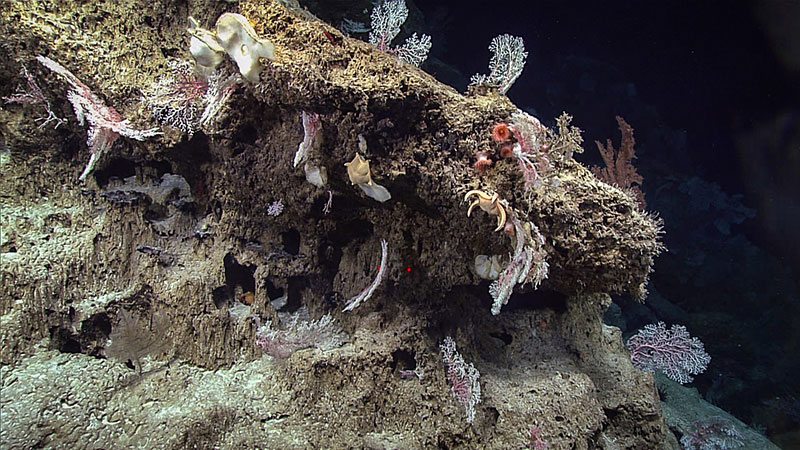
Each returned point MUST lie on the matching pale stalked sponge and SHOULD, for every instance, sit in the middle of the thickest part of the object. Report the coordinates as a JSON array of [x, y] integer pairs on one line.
[[359, 173], [235, 36]]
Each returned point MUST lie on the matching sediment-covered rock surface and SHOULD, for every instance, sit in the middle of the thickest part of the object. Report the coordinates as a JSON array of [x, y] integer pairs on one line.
[[178, 232]]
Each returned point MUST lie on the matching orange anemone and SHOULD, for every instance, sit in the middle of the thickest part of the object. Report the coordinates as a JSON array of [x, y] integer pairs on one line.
[[501, 132]]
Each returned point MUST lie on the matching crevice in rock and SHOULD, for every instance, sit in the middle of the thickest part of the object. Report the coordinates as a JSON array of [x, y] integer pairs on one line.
[[402, 359], [291, 242], [238, 279]]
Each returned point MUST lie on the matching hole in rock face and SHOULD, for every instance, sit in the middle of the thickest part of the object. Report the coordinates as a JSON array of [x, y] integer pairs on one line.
[[94, 331], [505, 337], [291, 242], [330, 257], [246, 134], [117, 167], [239, 275], [273, 291], [294, 293], [91, 338], [492, 415], [403, 360], [236, 276], [123, 168], [64, 340], [220, 296], [155, 212], [190, 157], [331, 247], [216, 209], [611, 414], [193, 151]]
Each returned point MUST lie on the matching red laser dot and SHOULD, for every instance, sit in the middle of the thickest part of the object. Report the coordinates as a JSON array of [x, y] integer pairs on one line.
[[408, 269]]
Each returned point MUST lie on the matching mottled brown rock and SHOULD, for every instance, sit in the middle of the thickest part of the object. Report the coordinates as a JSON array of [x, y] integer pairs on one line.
[[74, 255]]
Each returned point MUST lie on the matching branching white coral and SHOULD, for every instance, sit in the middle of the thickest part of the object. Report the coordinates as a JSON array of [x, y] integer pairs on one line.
[[506, 65], [178, 98], [298, 334], [463, 377], [175, 99], [219, 90], [415, 50], [527, 263], [386, 20]]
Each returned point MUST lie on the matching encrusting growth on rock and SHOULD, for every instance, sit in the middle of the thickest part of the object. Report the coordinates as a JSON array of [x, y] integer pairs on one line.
[[231, 273]]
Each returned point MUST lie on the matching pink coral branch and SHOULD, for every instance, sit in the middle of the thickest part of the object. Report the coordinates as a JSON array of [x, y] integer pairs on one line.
[[619, 170], [105, 123]]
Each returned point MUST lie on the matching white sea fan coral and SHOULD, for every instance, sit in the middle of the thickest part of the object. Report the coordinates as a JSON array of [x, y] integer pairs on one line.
[[415, 50], [298, 334], [506, 65], [188, 101], [175, 100], [387, 18], [671, 351], [463, 378]]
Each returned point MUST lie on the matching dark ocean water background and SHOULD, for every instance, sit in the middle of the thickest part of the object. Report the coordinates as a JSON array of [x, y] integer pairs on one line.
[[712, 90]]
